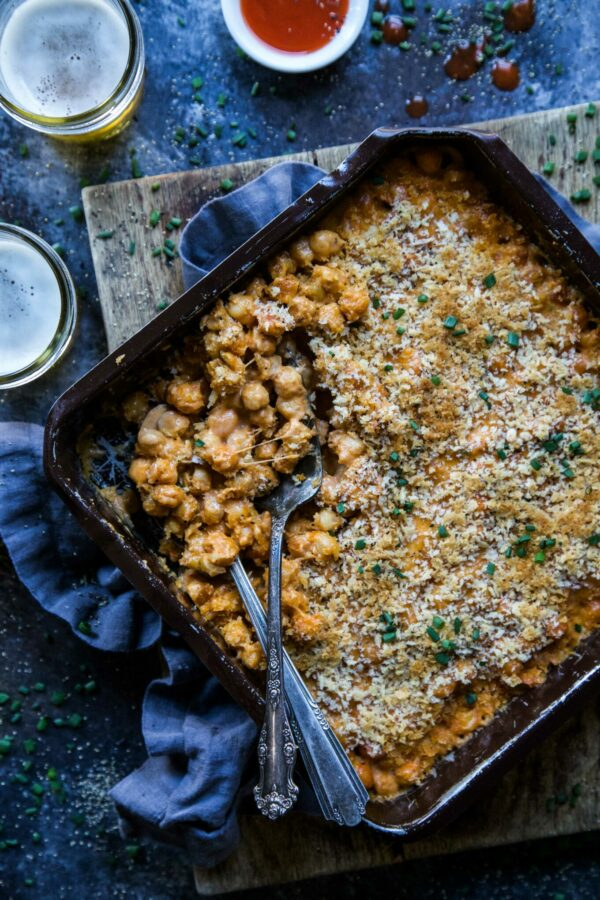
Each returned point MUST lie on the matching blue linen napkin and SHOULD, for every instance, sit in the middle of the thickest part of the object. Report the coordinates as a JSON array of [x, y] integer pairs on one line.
[[198, 740]]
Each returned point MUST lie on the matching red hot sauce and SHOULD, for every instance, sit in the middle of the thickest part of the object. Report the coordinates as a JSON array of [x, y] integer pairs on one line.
[[506, 75], [520, 16], [417, 106], [464, 60], [298, 26]]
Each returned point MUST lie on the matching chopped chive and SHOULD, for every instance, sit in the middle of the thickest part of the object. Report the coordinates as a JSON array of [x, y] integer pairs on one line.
[[386, 618], [105, 234], [422, 298], [76, 213], [442, 658], [376, 302], [581, 196], [136, 170], [376, 36], [442, 531], [471, 698], [450, 322], [476, 634], [436, 380], [448, 645], [226, 184], [291, 134], [376, 17], [581, 156], [341, 508], [536, 463], [540, 557], [457, 625], [131, 248], [432, 633], [594, 539], [548, 168], [490, 338], [512, 339], [490, 568], [400, 330], [154, 218], [490, 280], [389, 636], [360, 544], [376, 568], [388, 367], [437, 622], [398, 313], [567, 390], [552, 140], [590, 110], [394, 456]]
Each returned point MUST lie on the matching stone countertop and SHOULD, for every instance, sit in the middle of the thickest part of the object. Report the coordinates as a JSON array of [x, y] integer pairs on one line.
[[39, 181]]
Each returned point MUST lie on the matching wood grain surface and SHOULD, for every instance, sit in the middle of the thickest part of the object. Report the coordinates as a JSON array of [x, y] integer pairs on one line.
[[556, 790]]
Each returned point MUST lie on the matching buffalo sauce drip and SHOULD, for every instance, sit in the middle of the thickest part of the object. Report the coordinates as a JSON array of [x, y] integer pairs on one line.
[[464, 60], [298, 26], [520, 16], [417, 106], [505, 75]]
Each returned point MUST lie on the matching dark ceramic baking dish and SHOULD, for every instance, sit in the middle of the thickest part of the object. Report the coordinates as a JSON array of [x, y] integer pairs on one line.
[[469, 770]]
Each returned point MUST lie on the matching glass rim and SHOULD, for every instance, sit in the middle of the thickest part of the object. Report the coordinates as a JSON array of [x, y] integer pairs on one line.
[[67, 322], [93, 118]]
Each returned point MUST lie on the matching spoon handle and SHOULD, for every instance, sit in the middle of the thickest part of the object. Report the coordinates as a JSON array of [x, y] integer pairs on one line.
[[275, 792], [338, 788]]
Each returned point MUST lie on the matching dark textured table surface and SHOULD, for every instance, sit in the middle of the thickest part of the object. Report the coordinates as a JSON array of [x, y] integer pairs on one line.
[[39, 180]]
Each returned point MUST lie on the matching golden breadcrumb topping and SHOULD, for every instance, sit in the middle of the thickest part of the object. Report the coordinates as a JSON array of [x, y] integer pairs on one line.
[[453, 551]]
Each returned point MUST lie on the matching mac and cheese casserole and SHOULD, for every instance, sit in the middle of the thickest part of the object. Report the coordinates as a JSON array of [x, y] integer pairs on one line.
[[452, 554]]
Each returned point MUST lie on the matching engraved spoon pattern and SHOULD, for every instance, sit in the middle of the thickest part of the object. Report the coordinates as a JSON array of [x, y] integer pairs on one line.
[[276, 792], [339, 791]]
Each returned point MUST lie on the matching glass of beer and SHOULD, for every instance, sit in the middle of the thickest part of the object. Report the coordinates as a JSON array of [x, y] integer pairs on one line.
[[71, 69], [38, 308]]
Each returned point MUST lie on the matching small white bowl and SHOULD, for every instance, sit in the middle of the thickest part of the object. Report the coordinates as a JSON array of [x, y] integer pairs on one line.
[[283, 60]]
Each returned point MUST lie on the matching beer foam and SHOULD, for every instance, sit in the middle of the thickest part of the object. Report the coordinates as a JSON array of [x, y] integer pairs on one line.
[[60, 58], [30, 305]]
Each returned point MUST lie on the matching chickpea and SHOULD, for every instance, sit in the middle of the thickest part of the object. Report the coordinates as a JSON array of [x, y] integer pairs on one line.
[[301, 252], [150, 440], [187, 396], [384, 782], [187, 509], [242, 308], [327, 520], [162, 471], [138, 470], [197, 480], [255, 396], [266, 451], [295, 408], [265, 419], [325, 243], [288, 382], [173, 424], [262, 343], [197, 588], [330, 318], [223, 421], [346, 446], [212, 510], [208, 551], [354, 302], [332, 279], [282, 264], [168, 495]]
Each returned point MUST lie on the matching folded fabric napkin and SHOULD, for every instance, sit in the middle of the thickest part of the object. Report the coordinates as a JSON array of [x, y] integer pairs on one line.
[[198, 740]]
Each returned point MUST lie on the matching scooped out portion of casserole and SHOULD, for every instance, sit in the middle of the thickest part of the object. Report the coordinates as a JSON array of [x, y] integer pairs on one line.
[[453, 553]]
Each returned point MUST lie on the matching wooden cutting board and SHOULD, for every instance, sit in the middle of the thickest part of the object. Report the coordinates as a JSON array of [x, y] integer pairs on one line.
[[557, 789]]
